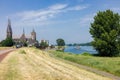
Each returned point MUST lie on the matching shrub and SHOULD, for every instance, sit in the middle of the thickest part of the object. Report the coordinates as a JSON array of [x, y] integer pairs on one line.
[[86, 54]]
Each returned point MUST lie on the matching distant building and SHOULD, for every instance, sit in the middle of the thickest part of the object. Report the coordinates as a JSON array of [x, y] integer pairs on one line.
[[9, 30], [45, 41], [33, 35], [23, 39]]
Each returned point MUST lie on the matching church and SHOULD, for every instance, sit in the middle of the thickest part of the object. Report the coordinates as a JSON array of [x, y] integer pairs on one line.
[[22, 39]]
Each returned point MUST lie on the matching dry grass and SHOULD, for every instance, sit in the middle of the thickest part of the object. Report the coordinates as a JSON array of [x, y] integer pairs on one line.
[[3, 48], [38, 65]]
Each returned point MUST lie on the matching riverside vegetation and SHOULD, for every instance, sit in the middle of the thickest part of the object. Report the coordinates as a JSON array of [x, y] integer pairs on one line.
[[108, 64]]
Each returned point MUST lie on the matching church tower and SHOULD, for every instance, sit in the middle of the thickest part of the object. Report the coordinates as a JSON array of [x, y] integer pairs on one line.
[[23, 38], [33, 35], [9, 29]]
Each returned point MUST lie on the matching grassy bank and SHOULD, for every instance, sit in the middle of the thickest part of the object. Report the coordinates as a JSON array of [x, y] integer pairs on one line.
[[34, 64], [108, 64]]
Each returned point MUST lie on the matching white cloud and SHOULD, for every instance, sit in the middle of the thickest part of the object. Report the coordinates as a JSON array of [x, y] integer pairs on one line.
[[86, 20], [77, 8], [43, 16], [58, 6]]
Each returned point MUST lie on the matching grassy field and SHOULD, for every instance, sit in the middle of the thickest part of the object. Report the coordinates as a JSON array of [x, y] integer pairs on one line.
[[34, 64], [108, 64]]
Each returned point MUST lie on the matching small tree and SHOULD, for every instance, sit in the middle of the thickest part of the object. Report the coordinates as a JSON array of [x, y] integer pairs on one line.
[[43, 45], [61, 43], [105, 31]]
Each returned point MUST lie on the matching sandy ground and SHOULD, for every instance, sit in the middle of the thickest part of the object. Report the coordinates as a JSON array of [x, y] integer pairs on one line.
[[38, 65]]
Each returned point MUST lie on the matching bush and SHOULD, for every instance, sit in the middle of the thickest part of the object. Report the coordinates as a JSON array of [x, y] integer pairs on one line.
[[43, 45], [8, 42], [86, 54]]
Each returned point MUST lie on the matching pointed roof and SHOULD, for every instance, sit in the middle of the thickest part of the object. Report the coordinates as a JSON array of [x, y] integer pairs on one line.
[[9, 22], [23, 35], [23, 31], [33, 32], [9, 29]]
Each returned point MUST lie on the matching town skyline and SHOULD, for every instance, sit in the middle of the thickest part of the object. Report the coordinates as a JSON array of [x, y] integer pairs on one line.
[[21, 40], [68, 19]]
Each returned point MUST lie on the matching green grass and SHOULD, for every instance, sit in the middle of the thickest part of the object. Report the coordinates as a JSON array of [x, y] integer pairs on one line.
[[108, 64]]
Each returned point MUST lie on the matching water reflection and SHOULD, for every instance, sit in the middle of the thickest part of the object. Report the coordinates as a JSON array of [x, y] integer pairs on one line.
[[80, 50]]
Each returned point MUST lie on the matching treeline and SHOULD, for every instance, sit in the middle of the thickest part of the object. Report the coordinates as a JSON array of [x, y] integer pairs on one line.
[[80, 44]]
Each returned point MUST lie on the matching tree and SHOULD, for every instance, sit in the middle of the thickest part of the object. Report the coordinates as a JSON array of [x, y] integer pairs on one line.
[[8, 42], [43, 45], [60, 42], [105, 31]]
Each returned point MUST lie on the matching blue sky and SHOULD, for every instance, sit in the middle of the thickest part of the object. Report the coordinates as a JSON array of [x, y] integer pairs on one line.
[[53, 19]]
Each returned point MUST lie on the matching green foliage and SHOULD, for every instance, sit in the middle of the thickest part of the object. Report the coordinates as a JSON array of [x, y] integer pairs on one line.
[[43, 45], [85, 44], [108, 64], [106, 33], [8, 42], [86, 54], [80, 44], [25, 44], [60, 42]]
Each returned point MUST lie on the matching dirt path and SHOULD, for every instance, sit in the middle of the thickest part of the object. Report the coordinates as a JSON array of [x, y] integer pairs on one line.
[[32, 64], [4, 53]]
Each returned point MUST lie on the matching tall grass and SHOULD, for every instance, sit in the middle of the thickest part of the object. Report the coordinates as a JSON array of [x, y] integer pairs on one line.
[[12, 72], [108, 64], [22, 52]]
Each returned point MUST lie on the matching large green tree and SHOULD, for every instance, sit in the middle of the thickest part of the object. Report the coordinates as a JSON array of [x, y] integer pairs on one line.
[[105, 31]]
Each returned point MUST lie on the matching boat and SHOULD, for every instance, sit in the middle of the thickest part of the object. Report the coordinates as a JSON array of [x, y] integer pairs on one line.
[[77, 47]]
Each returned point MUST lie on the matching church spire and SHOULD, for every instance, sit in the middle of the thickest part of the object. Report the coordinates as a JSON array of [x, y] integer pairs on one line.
[[33, 35], [33, 30], [23, 38], [23, 31], [9, 29], [9, 22]]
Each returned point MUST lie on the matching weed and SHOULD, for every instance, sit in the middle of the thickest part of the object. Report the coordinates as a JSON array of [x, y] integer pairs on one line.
[[22, 52]]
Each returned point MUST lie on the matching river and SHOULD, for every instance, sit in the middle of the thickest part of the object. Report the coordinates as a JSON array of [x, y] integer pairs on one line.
[[82, 49]]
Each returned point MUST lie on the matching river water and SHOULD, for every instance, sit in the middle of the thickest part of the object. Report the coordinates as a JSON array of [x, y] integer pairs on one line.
[[82, 49]]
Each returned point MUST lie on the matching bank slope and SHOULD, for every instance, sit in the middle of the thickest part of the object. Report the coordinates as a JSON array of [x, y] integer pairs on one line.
[[34, 64]]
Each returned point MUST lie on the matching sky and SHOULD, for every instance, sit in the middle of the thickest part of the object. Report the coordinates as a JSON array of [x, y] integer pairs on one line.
[[53, 19]]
